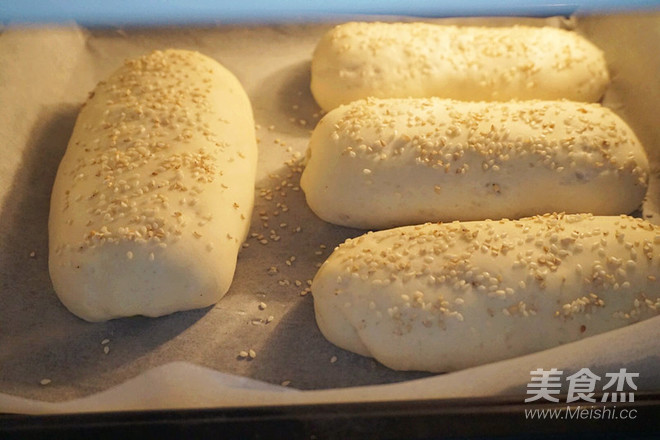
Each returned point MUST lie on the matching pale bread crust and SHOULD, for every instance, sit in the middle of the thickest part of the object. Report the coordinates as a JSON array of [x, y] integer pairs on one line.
[[380, 163], [442, 297], [398, 60], [154, 194]]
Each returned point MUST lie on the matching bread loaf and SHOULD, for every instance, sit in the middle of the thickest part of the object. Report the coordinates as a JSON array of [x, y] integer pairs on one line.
[[380, 163], [154, 194], [398, 60], [442, 297]]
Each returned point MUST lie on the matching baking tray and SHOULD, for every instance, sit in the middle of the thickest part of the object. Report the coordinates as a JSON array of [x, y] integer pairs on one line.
[[51, 343], [475, 418]]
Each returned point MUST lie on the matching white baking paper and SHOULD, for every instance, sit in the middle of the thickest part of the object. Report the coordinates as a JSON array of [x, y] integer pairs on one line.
[[53, 362]]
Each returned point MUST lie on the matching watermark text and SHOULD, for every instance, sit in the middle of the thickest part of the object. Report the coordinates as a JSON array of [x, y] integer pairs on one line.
[[580, 412]]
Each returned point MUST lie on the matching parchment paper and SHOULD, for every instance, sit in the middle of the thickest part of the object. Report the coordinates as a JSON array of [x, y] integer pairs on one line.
[[51, 361]]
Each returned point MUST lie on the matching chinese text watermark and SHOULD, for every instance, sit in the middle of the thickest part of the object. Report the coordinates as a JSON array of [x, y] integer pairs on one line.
[[582, 386], [546, 384]]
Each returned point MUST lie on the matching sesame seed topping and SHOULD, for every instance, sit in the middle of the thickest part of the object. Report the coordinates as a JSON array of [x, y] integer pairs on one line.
[[153, 157], [434, 291], [477, 140]]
